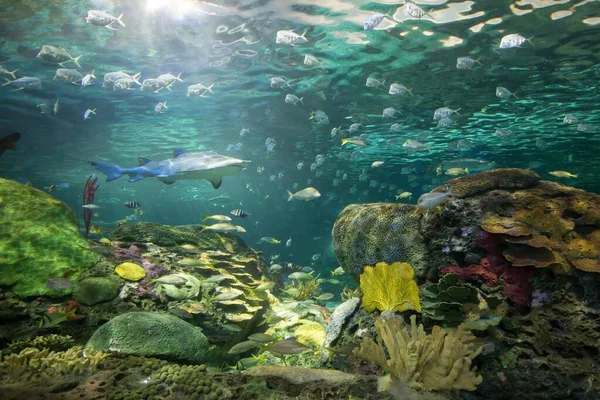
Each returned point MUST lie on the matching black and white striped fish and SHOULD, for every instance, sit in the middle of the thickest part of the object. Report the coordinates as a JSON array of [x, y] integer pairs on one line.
[[132, 204], [239, 213]]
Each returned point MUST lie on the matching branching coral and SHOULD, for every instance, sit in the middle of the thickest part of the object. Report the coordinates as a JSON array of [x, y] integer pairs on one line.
[[441, 360], [299, 290], [52, 342], [31, 362]]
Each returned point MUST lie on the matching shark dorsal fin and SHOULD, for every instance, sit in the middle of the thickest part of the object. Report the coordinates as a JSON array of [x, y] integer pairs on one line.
[[177, 152], [143, 161]]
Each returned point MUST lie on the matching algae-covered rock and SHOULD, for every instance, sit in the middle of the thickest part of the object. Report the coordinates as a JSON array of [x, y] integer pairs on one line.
[[164, 235], [365, 234], [96, 289], [39, 239], [151, 334]]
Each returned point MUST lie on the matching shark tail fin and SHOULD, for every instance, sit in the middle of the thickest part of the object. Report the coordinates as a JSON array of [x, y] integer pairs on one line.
[[112, 171]]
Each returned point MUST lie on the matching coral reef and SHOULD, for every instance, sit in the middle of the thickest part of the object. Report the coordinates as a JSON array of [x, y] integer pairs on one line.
[[96, 289], [39, 239], [503, 178], [32, 364], [365, 234], [151, 334], [437, 361], [389, 288], [52, 342]]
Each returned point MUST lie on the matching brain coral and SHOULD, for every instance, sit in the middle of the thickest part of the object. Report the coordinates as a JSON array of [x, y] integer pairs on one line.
[[365, 234]]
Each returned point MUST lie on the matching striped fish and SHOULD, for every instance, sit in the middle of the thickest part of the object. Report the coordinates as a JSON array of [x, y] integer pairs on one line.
[[132, 204], [239, 213]]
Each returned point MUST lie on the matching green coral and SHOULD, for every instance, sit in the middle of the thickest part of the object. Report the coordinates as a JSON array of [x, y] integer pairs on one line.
[[365, 234], [35, 364], [39, 239], [96, 289], [444, 301], [51, 342], [151, 334]]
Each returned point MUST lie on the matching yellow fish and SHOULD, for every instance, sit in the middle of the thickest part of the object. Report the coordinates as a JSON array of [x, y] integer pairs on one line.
[[403, 195], [220, 218], [457, 171], [438, 170], [358, 142], [563, 174]]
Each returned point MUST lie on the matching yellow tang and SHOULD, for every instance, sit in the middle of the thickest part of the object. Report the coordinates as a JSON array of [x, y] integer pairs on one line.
[[130, 271]]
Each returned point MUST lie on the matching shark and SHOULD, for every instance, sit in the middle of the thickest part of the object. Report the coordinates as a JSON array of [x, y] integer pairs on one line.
[[203, 165]]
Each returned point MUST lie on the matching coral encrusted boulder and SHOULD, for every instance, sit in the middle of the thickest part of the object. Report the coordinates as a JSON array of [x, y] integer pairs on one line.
[[151, 334], [39, 239]]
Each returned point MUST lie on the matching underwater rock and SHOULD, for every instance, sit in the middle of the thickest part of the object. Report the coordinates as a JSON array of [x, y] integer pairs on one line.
[[165, 235], [96, 289], [365, 234], [151, 334], [336, 323], [39, 239], [501, 178]]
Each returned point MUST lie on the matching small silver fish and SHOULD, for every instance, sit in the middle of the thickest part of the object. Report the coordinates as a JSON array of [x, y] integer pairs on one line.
[[290, 37], [88, 112], [372, 21], [415, 11], [430, 200], [88, 79], [443, 112], [158, 108], [68, 75], [103, 18], [513, 40], [389, 112], [293, 99], [398, 88], [372, 82], [504, 93], [467, 62]]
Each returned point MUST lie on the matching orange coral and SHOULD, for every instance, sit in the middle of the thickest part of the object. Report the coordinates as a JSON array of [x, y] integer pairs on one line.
[[587, 264]]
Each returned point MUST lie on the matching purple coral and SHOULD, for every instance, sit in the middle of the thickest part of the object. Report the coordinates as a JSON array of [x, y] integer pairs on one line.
[[539, 298], [153, 270], [132, 253]]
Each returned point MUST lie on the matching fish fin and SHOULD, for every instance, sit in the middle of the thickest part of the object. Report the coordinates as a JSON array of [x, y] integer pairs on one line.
[[136, 78], [216, 183], [290, 196], [179, 77], [135, 178], [8, 82], [165, 105], [13, 73], [143, 161], [76, 61], [467, 170], [178, 152], [166, 181], [112, 171], [119, 21], [110, 27]]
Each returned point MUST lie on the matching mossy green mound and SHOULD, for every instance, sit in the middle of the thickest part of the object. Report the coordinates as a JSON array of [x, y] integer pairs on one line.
[[96, 289], [151, 334], [39, 239]]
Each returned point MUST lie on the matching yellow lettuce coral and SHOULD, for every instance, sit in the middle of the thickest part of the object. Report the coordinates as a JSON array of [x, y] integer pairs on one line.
[[441, 360], [130, 271], [389, 288]]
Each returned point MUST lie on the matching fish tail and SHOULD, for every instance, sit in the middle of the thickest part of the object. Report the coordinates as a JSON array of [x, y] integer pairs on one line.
[[92, 74], [136, 78], [112, 171], [179, 77], [467, 170], [13, 73], [290, 196], [529, 40], [344, 141], [8, 82], [209, 89], [76, 61], [301, 100], [575, 175], [119, 21], [515, 94], [165, 105]]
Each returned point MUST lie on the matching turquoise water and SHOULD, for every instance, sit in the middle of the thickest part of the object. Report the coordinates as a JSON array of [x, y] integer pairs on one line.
[[232, 45]]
